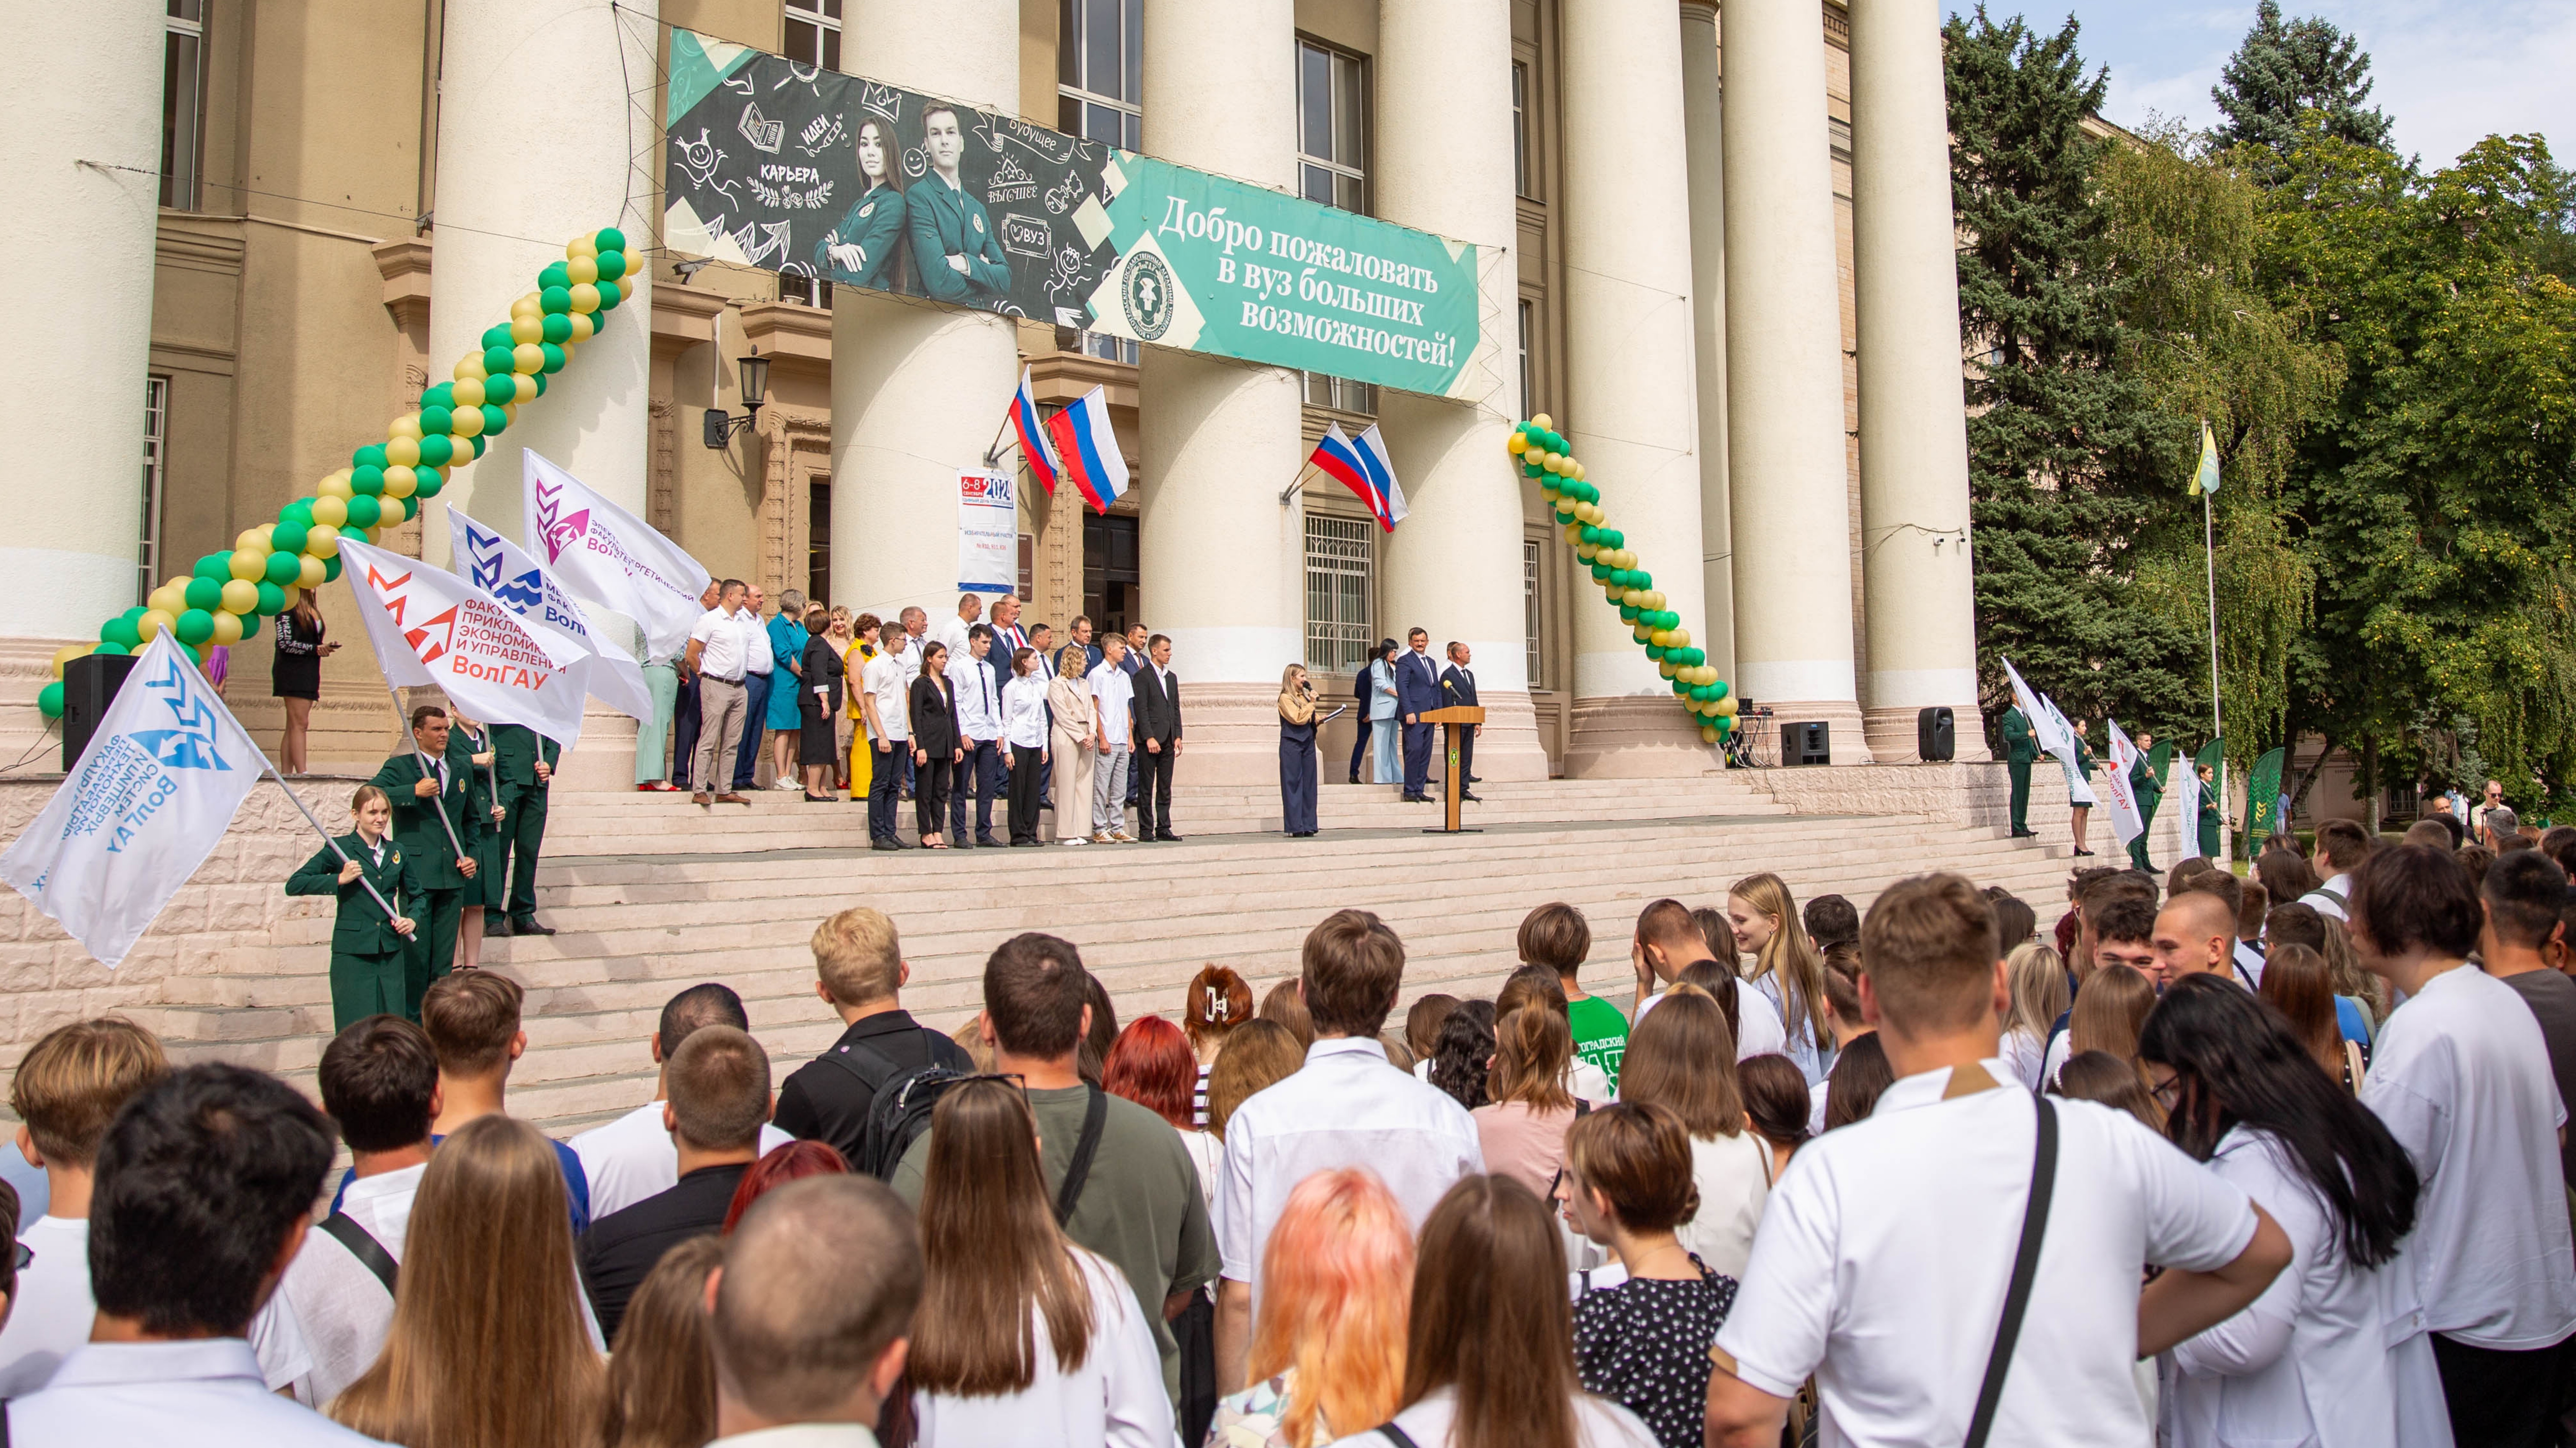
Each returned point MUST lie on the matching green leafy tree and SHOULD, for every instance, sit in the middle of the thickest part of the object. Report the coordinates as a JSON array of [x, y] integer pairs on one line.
[[2283, 69], [2070, 455]]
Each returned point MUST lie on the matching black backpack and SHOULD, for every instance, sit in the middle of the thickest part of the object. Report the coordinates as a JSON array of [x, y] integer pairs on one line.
[[899, 1108]]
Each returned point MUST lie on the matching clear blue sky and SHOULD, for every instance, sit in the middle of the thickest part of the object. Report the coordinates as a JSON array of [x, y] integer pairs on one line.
[[2448, 73]]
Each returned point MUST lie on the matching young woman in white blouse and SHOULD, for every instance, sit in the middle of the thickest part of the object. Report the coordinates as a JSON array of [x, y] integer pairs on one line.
[[1787, 969], [1022, 1336], [2310, 1361], [2037, 975], [1681, 1058], [1024, 742]]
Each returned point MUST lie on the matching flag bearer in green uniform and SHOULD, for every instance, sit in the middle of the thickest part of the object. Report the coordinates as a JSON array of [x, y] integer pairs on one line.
[[2021, 751], [366, 948], [527, 769], [423, 788], [2150, 792], [470, 753], [2210, 818]]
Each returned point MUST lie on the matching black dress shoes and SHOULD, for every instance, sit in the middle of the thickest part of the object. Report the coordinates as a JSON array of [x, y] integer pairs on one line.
[[1167, 838], [527, 925], [497, 927]]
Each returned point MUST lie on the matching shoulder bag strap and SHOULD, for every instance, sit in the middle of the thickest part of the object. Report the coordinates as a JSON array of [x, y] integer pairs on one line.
[[1078, 1171], [371, 1254], [2034, 1226], [1386, 1430]]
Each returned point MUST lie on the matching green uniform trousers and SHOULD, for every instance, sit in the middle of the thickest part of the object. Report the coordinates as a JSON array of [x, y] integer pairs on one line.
[[370, 985], [2020, 770], [432, 952], [523, 833], [2138, 846]]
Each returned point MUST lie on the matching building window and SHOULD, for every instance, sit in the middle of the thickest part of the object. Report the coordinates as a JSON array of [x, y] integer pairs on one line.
[[818, 539], [1529, 607], [156, 454], [1340, 554], [1340, 394], [805, 291], [183, 102], [1028, 586], [1096, 344], [1520, 131], [1529, 392], [1332, 126], [814, 33], [1100, 71]]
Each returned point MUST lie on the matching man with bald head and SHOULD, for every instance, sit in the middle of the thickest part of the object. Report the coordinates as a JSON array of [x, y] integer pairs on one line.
[[2195, 934], [810, 1314]]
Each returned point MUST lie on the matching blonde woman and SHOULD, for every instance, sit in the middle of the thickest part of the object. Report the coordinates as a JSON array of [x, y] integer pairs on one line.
[[1297, 752], [1069, 701], [1787, 969], [2037, 975], [845, 721], [1328, 1348], [854, 659]]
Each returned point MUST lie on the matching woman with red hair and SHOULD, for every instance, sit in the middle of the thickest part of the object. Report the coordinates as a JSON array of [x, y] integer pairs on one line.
[[1152, 1065], [792, 1162], [1336, 1297]]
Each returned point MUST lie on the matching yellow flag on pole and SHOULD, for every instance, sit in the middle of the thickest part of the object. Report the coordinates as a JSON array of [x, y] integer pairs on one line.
[[2205, 480]]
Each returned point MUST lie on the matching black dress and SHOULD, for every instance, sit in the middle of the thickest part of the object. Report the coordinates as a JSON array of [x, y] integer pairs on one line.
[[297, 671], [1644, 1345], [818, 739]]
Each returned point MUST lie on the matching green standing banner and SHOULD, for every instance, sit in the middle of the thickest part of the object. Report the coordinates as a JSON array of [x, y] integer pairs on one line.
[[2263, 800]]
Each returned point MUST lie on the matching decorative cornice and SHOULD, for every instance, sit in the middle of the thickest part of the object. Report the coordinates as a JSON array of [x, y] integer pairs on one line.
[[790, 333], [404, 264]]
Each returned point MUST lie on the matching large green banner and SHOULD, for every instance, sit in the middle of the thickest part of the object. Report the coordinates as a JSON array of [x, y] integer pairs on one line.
[[2263, 800], [808, 172]]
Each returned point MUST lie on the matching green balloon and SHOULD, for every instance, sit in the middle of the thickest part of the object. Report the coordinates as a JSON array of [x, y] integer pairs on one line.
[[556, 274], [194, 656], [331, 568], [285, 566], [370, 456], [367, 481], [49, 700], [554, 356], [1613, 538], [609, 296], [120, 630], [558, 328], [299, 512], [1717, 691], [364, 511], [288, 539], [612, 264], [609, 239], [1532, 470], [499, 389], [196, 626], [436, 420], [443, 395], [496, 337], [272, 600], [494, 419], [111, 648], [436, 449], [599, 319], [430, 483], [497, 360], [217, 566], [1590, 535], [556, 299], [1655, 651], [205, 593], [539, 378]]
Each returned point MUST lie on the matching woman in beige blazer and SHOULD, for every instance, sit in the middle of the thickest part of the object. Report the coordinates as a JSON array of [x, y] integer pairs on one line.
[[1069, 699]]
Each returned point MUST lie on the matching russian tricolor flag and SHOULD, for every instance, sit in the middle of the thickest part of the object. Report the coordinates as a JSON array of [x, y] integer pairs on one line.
[[1363, 468], [1034, 447], [1088, 449]]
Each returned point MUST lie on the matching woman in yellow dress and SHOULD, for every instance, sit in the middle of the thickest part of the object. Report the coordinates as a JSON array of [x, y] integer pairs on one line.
[[860, 635]]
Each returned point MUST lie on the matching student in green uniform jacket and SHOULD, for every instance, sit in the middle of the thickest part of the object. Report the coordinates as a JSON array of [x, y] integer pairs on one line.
[[366, 948], [469, 752], [2021, 751], [866, 249], [527, 770], [955, 255], [2150, 792], [2210, 819], [423, 787]]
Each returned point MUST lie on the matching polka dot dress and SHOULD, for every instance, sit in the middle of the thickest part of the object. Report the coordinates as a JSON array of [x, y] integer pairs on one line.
[[1644, 1345]]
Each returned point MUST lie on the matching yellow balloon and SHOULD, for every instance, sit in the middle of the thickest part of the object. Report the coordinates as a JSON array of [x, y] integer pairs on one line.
[[246, 538], [585, 245], [313, 571], [469, 393], [1586, 552], [292, 593], [583, 268], [1578, 472], [582, 326], [528, 357], [1708, 734], [1666, 667], [1727, 706], [1681, 639], [626, 287], [335, 486], [250, 565], [228, 626], [1659, 639], [524, 330], [323, 540], [510, 411], [240, 596], [329, 509], [391, 510], [67, 653], [401, 482], [402, 452], [530, 305], [153, 621], [1540, 421], [1573, 533], [407, 425], [469, 421], [166, 599], [472, 366], [585, 297], [1516, 444]]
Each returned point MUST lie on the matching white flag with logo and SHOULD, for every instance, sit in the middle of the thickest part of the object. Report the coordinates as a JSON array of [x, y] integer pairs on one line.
[[2047, 729], [613, 558], [152, 794], [432, 628], [2186, 820], [522, 585], [2126, 821], [2078, 791]]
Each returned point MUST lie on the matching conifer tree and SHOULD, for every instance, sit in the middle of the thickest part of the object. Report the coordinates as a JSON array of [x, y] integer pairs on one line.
[[2283, 68]]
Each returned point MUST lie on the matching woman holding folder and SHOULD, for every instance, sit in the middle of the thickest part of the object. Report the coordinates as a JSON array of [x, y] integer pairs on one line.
[[366, 945], [1297, 752]]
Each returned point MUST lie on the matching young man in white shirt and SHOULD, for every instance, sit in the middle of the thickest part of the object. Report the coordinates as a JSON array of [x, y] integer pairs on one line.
[[1889, 1292], [885, 702], [1669, 942], [2461, 1078], [810, 1314], [633, 1157], [2341, 848], [2195, 934], [1112, 694], [719, 653], [205, 1188], [979, 734], [1346, 1107], [67, 1089]]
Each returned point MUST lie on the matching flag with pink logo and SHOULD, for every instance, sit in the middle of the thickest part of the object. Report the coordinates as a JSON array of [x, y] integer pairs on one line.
[[430, 627], [610, 557]]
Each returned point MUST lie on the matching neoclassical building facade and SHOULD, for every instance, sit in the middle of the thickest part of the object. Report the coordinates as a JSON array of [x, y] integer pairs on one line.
[[1716, 248]]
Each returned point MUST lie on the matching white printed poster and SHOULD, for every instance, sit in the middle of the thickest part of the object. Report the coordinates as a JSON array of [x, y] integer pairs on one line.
[[988, 532]]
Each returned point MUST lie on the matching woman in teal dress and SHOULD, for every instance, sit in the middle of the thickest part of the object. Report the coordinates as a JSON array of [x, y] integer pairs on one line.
[[366, 948], [469, 752], [863, 250], [784, 717]]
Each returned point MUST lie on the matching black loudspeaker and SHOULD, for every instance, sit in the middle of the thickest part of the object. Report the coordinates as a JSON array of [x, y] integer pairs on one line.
[[90, 683], [1936, 735], [1806, 743]]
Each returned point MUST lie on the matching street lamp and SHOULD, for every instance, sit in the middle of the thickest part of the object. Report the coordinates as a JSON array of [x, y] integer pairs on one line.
[[754, 374]]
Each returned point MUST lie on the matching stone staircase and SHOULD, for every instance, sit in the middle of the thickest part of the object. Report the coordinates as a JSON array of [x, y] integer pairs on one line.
[[649, 894]]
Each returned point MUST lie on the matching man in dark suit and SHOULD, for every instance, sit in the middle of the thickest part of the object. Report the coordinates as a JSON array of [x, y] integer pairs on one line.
[[525, 761], [1139, 638], [422, 788], [1417, 692], [1458, 687], [1158, 740], [2021, 751], [955, 254]]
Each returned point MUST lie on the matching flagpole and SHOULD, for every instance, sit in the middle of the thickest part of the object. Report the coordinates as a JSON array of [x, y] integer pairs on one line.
[[993, 454], [440, 809], [300, 808], [2217, 726], [1296, 482]]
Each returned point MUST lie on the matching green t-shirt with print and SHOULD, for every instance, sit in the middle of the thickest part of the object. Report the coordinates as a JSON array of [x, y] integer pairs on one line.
[[1600, 1034]]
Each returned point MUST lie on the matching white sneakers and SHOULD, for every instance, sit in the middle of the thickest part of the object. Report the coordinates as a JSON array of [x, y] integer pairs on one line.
[[1073, 840], [783, 782]]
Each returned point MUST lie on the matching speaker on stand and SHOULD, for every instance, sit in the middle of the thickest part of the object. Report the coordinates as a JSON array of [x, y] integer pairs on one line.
[[1807, 742], [1936, 735]]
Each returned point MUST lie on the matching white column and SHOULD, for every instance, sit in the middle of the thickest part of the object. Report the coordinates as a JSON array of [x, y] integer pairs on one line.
[[1703, 88], [1792, 514], [917, 388], [84, 153], [1443, 163], [1634, 406], [1222, 560], [530, 156], [1919, 601], [539, 120]]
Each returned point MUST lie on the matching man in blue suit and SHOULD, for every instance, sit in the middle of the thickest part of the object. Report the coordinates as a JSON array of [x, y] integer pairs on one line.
[[1417, 692], [1458, 687], [955, 254]]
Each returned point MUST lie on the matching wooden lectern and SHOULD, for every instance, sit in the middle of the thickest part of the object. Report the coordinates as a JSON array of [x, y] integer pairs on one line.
[[1453, 722]]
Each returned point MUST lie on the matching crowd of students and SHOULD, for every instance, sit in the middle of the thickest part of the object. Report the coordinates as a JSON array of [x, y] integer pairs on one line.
[[1917, 1177]]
